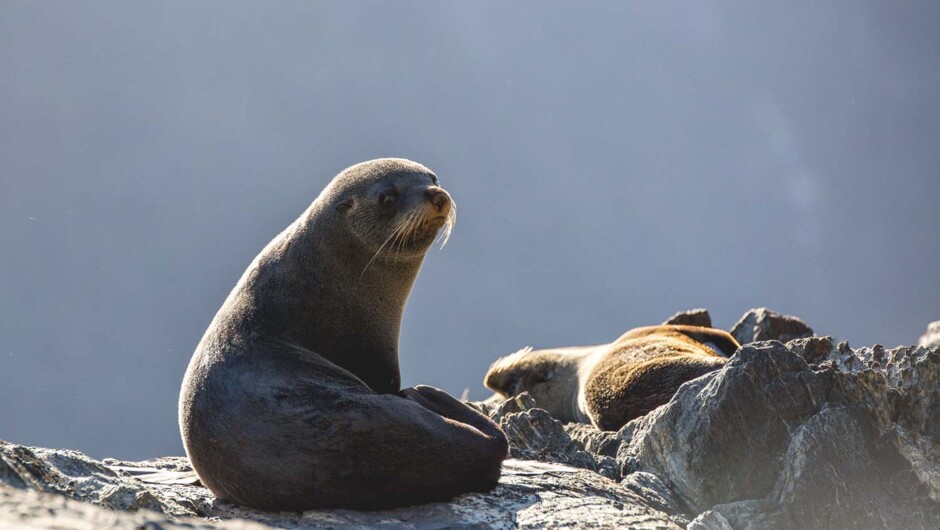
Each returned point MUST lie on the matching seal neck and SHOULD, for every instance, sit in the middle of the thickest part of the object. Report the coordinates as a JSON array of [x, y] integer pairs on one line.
[[341, 309]]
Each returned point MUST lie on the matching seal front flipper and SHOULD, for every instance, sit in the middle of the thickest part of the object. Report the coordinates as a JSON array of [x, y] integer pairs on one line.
[[436, 400]]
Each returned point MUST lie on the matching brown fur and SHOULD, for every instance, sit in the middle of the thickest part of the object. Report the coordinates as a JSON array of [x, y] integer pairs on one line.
[[610, 384]]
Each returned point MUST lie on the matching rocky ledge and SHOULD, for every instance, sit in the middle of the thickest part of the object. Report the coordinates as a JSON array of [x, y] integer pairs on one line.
[[803, 434]]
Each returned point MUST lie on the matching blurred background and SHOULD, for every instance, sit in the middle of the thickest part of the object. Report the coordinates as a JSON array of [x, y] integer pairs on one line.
[[613, 163]]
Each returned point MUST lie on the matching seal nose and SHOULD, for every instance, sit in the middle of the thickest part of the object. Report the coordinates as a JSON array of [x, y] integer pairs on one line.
[[437, 197]]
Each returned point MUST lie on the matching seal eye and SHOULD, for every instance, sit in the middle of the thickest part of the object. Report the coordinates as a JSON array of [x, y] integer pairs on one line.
[[388, 198]]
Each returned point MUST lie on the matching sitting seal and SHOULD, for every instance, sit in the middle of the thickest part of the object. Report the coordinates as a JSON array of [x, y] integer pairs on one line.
[[610, 384], [291, 400]]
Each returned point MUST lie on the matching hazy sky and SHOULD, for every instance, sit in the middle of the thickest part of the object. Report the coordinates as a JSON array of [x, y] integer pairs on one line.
[[612, 163]]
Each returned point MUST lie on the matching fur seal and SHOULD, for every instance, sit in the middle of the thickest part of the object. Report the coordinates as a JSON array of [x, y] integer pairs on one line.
[[291, 400], [610, 384]]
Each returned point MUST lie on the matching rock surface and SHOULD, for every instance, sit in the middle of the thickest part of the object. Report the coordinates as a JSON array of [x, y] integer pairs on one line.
[[808, 434], [530, 495], [692, 317], [764, 324]]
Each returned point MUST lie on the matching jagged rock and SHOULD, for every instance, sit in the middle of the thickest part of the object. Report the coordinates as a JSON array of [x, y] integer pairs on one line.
[[821, 352], [745, 515], [722, 436], [932, 337], [593, 439], [901, 392], [851, 440], [763, 324], [515, 404], [489, 405], [810, 434], [534, 435], [839, 472], [840, 454], [651, 488], [692, 317], [22, 510], [530, 495]]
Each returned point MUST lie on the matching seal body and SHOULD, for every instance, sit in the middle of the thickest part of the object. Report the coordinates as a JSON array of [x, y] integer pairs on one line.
[[610, 384], [291, 400]]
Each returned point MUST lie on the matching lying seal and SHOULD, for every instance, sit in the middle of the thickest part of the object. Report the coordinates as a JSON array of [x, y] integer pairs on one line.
[[291, 400], [610, 384]]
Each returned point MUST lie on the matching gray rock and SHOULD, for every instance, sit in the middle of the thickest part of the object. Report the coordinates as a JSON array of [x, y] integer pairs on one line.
[[810, 434], [723, 436], [900, 391], [710, 520], [488, 405], [530, 495], [513, 405], [839, 472], [745, 515], [534, 435], [932, 337], [654, 491], [839, 455], [31, 510], [823, 352], [692, 317], [763, 324], [594, 440]]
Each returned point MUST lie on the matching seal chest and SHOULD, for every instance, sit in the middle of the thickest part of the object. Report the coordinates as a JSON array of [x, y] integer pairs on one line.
[[292, 398]]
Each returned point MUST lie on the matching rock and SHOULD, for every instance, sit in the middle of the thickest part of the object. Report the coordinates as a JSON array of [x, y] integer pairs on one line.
[[535, 435], [744, 515], [22, 510], [763, 324], [811, 434], [839, 472], [821, 352], [723, 435], [530, 495], [513, 405], [710, 520], [932, 337], [652, 489], [692, 317], [900, 391], [807, 435], [839, 455], [593, 439], [488, 405]]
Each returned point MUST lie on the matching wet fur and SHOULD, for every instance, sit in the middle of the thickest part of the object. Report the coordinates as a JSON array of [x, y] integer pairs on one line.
[[610, 384], [292, 399]]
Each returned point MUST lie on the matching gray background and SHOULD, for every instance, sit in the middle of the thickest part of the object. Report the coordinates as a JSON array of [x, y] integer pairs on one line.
[[612, 164]]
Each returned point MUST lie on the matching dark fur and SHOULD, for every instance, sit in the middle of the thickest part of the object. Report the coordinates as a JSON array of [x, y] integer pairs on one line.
[[629, 377], [292, 401]]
